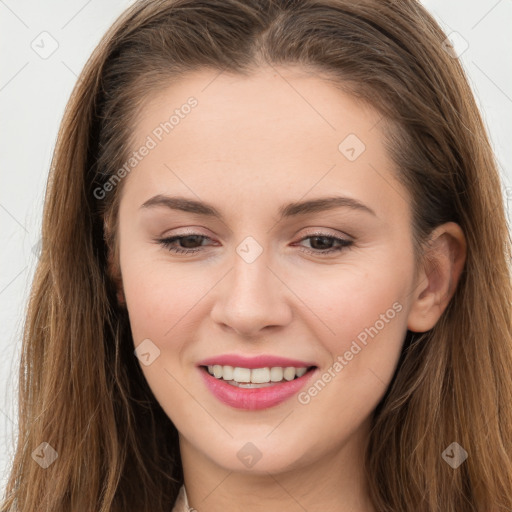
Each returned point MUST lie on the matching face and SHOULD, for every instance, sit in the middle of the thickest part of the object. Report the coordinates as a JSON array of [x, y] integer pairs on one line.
[[269, 275]]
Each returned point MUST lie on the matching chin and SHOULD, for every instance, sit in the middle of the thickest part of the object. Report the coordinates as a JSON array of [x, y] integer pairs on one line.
[[259, 455]]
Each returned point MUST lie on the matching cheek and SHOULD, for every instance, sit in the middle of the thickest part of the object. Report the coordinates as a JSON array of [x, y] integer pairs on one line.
[[160, 297], [350, 300], [161, 301], [361, 318], [363, 326]]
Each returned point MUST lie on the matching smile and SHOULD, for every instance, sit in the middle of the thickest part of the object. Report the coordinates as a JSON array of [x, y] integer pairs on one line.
[[255, 388]]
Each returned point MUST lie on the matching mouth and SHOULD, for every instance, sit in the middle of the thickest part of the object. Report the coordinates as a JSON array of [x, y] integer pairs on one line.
[[251, 378], [255, 388]]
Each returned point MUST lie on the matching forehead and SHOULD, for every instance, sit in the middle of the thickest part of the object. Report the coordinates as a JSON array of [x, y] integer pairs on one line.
[[278, 128], [288, 102]]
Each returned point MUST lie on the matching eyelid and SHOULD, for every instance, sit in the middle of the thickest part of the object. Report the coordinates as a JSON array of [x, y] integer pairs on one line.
[[327, 232], [187, 231], [191, 231]]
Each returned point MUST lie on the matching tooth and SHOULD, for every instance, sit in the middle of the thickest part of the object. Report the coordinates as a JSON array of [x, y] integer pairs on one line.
[[242, 374], [227, 372], [276, 374], [256, 375], [289, 373], [260, 375], [300, 371]]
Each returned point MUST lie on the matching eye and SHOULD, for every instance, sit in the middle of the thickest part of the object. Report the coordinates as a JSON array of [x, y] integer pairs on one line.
[[324, 243], [188, 240], [192, 243]]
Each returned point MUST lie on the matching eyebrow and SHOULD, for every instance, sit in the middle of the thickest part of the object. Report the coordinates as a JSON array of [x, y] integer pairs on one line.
[[286, 211]]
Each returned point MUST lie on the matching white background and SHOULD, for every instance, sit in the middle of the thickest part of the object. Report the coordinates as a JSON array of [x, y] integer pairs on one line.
[[34, 92]]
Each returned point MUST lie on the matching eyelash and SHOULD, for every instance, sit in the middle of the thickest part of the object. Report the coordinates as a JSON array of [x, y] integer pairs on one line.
[[168, 244]]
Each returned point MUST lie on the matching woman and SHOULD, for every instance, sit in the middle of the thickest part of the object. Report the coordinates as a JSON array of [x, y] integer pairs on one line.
[[274, 274]]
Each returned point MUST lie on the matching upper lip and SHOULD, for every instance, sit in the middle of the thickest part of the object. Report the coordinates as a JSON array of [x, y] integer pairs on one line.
[[260, 361]]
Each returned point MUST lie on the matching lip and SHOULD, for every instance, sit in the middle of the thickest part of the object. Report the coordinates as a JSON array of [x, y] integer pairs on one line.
[[254, 399], [260, 361]]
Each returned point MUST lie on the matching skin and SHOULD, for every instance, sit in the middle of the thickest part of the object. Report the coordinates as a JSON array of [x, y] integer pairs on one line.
[[251, 145]]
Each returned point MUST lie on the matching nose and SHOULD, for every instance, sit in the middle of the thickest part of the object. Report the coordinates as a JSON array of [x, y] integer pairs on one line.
[[252, 297]]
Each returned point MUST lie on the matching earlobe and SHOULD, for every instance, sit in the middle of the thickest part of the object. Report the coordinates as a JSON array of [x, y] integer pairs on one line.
[[437, 281]]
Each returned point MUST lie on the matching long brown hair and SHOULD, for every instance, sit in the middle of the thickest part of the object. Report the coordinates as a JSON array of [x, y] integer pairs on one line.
[[81, 389]]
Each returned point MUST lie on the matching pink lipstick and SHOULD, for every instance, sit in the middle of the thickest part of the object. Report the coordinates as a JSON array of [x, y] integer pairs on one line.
[[255, 383]]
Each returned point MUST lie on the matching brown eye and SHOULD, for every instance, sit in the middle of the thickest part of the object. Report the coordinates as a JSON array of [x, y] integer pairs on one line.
[[189, 243], [323, 244]]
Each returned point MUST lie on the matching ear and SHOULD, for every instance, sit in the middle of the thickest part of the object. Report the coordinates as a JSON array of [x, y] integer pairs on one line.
[[437, 280], [115, 274], [113, 266]]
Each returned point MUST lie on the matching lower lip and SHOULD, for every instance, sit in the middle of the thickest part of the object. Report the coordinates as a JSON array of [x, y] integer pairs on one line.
[[254, 399]]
